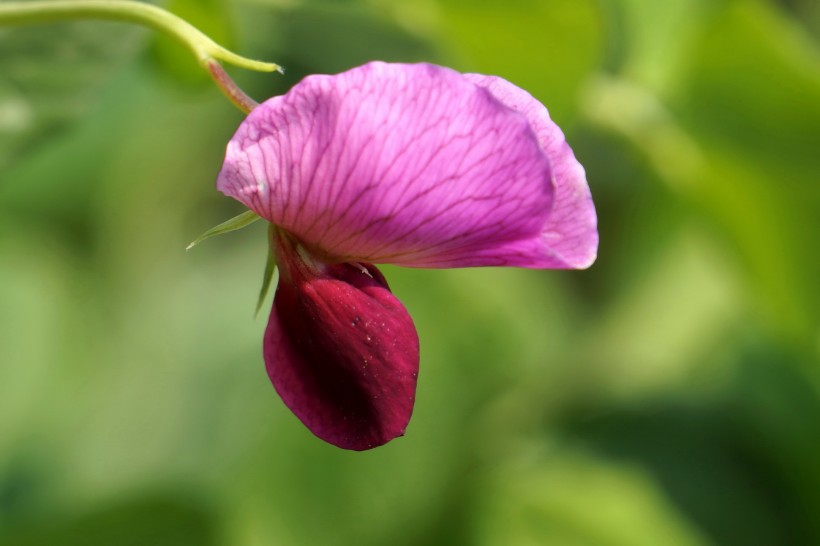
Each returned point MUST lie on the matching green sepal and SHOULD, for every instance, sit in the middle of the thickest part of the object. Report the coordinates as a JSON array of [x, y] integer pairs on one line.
[[237, 222], [270, 266]]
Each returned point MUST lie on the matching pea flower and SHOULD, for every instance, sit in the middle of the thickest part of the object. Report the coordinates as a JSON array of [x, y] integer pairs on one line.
[[413, 165]]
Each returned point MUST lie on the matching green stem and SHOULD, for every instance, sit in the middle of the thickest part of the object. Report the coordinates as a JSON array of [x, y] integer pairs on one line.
[[206, 50]]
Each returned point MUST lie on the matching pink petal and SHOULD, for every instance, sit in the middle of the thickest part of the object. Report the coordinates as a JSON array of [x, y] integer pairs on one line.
[[408, 164], [341, 350], [570, 234]]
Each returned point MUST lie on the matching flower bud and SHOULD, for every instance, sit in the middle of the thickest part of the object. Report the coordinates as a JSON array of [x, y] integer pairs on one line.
[[340, 349]]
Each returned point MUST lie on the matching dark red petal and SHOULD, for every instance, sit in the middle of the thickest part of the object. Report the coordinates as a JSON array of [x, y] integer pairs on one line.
[[341, 351]]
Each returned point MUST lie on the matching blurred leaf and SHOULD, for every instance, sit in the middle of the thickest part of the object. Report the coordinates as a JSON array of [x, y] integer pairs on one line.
[[806, 12], [575, 500], [652, 336], [333, 37], [741, 464], [547, 48], [752, 99], [50, 76], [753, 88], [738, 149], [775, 410], [157, 520], [41, 291], [653, 38]]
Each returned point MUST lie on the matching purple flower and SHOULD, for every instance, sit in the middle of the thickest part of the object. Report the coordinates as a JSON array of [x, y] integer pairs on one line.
[[414, 165]]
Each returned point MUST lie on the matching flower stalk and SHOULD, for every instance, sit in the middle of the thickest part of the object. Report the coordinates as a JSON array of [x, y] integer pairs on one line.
[[207, 52]]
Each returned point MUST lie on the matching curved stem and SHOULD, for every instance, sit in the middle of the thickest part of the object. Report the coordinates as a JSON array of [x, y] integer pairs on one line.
[[206, 50], [234, 93]]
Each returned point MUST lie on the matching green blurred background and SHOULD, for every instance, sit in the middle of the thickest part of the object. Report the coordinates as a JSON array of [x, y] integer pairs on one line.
[[670, 395]]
